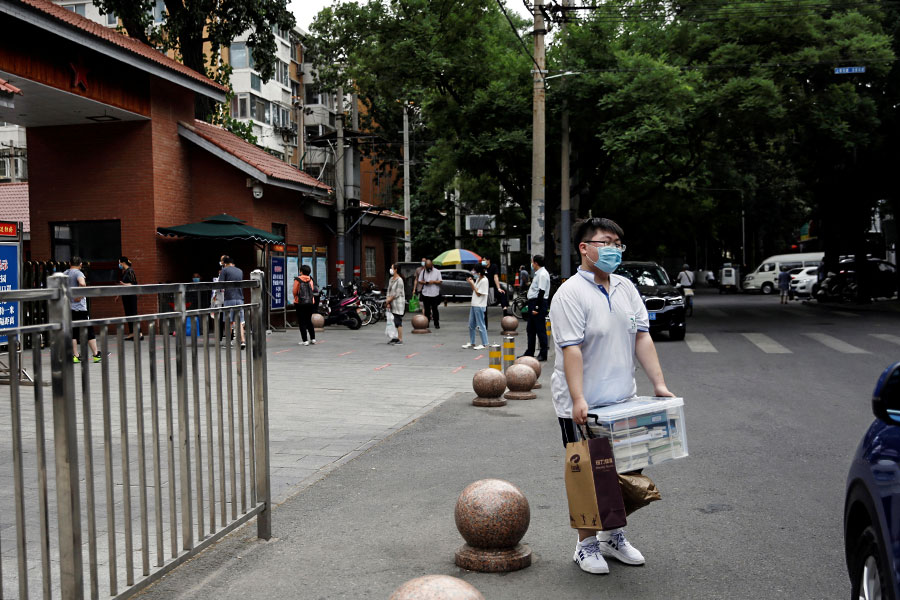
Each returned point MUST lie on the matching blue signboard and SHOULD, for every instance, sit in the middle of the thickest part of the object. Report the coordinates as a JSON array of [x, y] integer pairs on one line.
[[9, 280], [278, 273], [848, 70]]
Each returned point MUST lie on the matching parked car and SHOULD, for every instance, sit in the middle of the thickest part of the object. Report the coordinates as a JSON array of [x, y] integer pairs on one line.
[[872, 498], [805, 282], [455, 286], [882, 275], [664, 302], [765, 277]]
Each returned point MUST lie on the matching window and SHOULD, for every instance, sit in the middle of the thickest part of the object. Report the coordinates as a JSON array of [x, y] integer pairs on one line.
[[239, 56], [4, 168], [312, 95], [283, 73], [19, 167], [370, 261], [159, 11], [78, 9], [111, 19], [98, 242], [280, 229], [767, 268], [255, 82]]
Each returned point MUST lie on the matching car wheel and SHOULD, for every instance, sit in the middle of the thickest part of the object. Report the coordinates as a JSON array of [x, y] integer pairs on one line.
[[677, 333], [767, 288], [868, 572]]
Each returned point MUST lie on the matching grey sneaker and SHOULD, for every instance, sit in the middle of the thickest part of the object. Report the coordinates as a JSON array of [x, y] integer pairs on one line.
[[614, 545], [588, 557]]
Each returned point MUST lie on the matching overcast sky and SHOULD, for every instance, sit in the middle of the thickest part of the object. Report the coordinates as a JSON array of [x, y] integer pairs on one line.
[[305, 10]]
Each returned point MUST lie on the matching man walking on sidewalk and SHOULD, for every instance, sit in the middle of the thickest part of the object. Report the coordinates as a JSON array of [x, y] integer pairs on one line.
[[538, 295], [431, 280], [600, 325]]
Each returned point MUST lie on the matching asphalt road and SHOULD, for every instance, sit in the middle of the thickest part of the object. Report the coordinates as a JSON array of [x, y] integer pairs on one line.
[[777, 398]]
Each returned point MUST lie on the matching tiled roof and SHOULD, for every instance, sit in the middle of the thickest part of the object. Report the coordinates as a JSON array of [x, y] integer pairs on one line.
[[113, 37], [385, 213], [14, 203], [253, 155], [9, 88]]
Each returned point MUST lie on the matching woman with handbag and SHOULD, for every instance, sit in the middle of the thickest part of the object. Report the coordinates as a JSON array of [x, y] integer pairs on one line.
[[479, 307], [396, 303]]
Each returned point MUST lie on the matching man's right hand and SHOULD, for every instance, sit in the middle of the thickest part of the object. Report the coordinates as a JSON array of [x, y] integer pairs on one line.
[[579, 411]]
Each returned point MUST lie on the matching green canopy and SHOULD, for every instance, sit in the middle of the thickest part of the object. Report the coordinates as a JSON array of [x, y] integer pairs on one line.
[[220, 227]]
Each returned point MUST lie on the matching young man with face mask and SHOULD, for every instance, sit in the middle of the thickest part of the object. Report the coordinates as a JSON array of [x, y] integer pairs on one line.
[[600, 326]]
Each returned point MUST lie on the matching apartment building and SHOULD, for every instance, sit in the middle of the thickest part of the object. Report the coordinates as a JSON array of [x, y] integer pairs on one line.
[[13, 159]]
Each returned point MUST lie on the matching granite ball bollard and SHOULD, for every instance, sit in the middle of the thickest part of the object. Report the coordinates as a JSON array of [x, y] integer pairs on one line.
[[492, 515], [420, 324], [509, 325], [436, 587], [318, 322], [520, 380], [535, 365], [489, 384]]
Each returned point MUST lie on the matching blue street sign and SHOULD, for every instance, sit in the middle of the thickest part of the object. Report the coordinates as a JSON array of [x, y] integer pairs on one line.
[[848, 70], [277, 282], [9, 280]]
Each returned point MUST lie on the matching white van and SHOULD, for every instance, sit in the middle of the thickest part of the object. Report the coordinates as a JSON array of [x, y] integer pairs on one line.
[[765, 278]]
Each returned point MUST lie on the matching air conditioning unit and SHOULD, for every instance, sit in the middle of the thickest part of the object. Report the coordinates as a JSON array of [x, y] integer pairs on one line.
[[474, 222]]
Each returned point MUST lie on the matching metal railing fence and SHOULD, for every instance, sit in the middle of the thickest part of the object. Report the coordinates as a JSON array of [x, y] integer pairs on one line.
[[159, 450]]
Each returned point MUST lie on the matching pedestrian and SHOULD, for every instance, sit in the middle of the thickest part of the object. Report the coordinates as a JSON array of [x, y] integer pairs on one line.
[[710, 278], [78, 305], [305, 305], [431, 280], [129, 303], [480, 292], [600, 325], [396, 303], [538, 295], [416, 287], [686, 277], [233, 296], [784, 284], [496, 294], [217, 300], [524, 278]]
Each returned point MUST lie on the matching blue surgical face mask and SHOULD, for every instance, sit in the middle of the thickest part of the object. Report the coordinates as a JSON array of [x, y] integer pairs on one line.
[[121, 266], [196, 279], [608, 259], [484, 263]]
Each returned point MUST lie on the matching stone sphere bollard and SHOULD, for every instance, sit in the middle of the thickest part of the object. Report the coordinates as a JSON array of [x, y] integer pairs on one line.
[[535, 365], [489, 384], [520, 380], [318, 322], [436, 587], [492, 515], [420, 324], [509, 325]]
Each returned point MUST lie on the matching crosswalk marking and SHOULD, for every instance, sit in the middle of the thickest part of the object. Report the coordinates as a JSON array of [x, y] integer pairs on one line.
[[835, 344], [766, 344], [887, 337], [697, 342], [844, 313]]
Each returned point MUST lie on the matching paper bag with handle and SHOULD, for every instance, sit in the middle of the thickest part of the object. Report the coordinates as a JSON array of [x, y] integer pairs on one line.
[[592, 484]]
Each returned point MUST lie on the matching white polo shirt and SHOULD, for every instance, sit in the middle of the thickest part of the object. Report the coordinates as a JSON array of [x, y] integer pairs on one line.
[[605, 326]]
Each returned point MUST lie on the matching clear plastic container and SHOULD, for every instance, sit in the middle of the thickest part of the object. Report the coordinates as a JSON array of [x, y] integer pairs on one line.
[[644, 431]]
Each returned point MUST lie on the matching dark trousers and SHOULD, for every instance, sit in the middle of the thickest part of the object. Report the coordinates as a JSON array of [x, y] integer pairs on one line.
[[129, 303], [431, 309], [537, 327], [81, 315], [304, 320]]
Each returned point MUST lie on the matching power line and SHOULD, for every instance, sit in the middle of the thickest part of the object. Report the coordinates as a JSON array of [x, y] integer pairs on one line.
[[512, 25]]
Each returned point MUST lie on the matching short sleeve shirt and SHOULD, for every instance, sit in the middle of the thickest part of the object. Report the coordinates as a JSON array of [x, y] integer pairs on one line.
[[431, 290], [482, 287], [491, 271], [232, 273], [605, 325], [73, 275]]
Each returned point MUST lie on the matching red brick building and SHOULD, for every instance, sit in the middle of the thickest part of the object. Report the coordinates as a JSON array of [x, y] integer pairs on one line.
[[115, 153]]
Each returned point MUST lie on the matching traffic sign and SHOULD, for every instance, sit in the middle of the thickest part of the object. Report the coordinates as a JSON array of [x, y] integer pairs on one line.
[[848, 70]]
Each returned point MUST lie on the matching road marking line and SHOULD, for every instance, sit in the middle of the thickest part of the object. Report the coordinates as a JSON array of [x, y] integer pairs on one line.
[[835, 344], [887, 337], [766, 344], [697, 342], [285, 350], [383, 367], [715, 312], [437, 345], [346, 353], [458, 369], [844, 313], [411, 355], [479, 357]]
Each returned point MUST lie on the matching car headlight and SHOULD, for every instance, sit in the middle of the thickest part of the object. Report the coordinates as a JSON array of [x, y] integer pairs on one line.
[[675, 301]]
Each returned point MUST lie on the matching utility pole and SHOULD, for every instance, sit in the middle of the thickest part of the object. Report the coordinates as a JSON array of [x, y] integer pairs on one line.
[[538, 156], [457, 221], [339, 177], [565, 220], [351, 194], [407, 229]]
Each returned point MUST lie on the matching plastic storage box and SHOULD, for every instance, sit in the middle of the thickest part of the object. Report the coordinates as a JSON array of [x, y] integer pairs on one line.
[[644, 431]]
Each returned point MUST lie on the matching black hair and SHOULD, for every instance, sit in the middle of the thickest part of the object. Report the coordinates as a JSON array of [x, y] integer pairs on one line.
[[305, 269], [226, 260], [538, 259], [586, 227], [478, 269], [124, 259], [76, 261]]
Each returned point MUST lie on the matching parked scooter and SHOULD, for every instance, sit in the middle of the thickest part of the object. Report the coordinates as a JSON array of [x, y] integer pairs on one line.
[[340, 308], [838, 287]]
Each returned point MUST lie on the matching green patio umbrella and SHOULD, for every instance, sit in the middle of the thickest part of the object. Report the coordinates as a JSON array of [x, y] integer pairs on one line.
[[220, 227]]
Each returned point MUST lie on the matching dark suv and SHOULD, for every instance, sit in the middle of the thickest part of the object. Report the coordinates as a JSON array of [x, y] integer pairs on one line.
[[664, 302]]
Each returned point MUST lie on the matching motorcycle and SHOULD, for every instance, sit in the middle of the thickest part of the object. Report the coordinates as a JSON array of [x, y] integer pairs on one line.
[[838, 287], [341, 308]]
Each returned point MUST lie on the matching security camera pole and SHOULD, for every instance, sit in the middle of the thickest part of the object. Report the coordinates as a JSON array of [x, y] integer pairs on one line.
[[538, 158]]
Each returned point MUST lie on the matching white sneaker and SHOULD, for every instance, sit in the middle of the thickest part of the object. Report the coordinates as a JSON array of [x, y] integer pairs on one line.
[[305, 343], [467, 346], [614, 545], [312, 342], [589, 558], [478, 347]]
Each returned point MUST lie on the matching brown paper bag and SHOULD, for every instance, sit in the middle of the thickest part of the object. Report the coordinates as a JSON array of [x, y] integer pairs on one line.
[[638, 491], [592, 486]]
